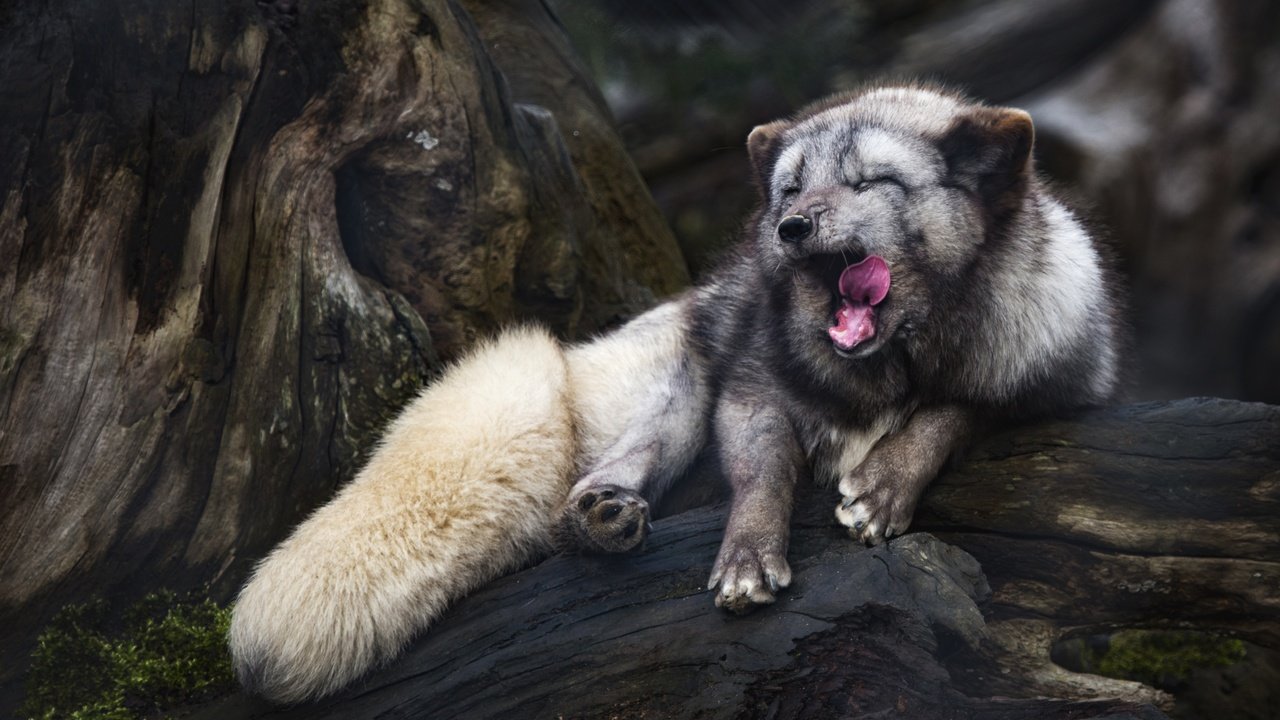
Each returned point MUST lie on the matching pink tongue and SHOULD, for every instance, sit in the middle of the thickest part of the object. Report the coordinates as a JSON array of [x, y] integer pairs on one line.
[[862, 287], [867, 282]]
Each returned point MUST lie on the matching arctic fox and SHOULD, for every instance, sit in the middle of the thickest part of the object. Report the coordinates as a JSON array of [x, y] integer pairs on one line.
[[905, 278]]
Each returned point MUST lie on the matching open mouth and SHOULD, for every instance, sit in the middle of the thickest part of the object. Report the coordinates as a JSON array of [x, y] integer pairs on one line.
[[858, 289]]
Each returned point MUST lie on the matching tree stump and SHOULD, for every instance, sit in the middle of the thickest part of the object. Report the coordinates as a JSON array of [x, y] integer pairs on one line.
[[235, 237]]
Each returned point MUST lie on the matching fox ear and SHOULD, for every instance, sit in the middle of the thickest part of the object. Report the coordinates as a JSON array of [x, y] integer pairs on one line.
[[763, 145], [990, 149]]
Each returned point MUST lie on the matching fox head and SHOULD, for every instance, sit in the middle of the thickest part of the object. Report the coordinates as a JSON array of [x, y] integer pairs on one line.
[[877, 206]]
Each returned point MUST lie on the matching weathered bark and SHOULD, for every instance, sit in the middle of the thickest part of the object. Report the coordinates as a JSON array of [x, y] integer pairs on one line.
[[1154, 516], [621, 247], [1161, 515], [233, 239]]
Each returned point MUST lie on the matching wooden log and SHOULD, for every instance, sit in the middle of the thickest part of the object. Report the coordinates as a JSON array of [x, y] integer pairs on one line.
[[1159, 516], [1154, 515]]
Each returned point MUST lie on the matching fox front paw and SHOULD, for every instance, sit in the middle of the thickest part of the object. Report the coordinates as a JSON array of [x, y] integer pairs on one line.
[[603, 519], [748, 574], [875, 507]]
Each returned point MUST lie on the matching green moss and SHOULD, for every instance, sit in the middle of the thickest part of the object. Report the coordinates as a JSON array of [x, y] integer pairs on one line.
[[161, 653], [1163, 659], [12, 346]]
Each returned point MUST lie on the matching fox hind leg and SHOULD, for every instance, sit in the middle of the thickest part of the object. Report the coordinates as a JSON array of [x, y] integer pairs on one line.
[[641, 402]]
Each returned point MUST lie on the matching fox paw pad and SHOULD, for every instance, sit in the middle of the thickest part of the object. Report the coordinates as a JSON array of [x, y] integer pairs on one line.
[[603, 519]]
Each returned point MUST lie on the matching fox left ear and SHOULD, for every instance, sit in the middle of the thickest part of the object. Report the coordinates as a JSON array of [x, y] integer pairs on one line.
[[991, 149], [763, 145]]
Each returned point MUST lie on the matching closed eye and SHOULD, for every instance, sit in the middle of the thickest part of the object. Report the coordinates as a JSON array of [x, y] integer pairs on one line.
[[868, 183]]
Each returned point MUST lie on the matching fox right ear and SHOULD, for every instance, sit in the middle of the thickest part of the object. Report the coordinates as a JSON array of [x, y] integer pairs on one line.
[[763, 145]]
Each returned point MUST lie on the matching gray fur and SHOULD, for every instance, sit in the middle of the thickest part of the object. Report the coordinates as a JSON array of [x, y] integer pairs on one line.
[[642, 399], [1000, 307]]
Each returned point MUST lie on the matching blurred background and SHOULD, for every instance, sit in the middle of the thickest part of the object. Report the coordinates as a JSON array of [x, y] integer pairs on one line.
[[1158, 118]]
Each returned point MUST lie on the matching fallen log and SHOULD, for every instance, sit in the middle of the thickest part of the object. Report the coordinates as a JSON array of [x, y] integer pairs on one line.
[[1153, 515]]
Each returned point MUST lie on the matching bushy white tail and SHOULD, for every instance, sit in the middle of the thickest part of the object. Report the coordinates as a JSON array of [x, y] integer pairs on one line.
[[461, 490]]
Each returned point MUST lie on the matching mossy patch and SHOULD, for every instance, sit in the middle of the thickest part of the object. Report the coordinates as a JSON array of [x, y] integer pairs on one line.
[[1163, 659], [163, 652]]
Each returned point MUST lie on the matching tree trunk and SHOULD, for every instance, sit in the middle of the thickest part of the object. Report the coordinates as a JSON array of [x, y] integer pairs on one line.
[[235, 237], [1158, 515]]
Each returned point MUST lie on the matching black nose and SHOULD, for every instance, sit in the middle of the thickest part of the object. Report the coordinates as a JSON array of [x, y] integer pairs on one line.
[[794, 228]]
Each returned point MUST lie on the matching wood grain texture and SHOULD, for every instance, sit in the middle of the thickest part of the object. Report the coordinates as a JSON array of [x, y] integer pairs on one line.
[[1154, 516], [234, 239]]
